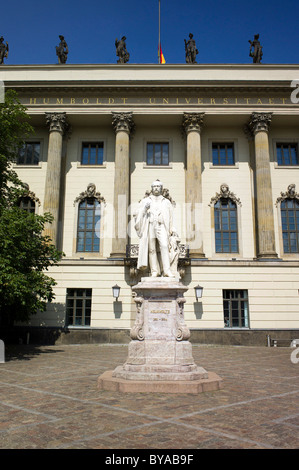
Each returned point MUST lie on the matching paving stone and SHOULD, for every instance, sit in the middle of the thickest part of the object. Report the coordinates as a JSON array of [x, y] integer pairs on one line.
[[49, 400]]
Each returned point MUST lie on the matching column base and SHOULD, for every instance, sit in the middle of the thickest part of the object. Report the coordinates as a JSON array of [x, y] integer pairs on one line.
[[270, 255], [195, 254], [118, 255]]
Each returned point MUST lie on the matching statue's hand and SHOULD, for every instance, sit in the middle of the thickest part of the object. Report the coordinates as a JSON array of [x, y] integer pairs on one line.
[[147, 206]]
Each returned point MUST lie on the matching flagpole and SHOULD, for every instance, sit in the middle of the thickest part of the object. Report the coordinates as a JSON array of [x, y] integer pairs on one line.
[[159, 44]]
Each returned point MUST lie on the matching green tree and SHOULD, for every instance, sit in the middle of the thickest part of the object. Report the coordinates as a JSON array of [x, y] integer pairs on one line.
[[25, 253]]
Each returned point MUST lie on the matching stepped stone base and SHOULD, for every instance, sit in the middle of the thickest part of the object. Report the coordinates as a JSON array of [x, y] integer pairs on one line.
[[116, 384]]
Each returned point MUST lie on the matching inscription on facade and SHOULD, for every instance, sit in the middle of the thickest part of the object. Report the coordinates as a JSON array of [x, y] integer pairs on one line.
[[156, 101]]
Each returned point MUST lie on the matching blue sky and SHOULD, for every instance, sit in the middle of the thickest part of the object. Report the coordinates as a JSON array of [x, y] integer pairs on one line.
[[221, 30]]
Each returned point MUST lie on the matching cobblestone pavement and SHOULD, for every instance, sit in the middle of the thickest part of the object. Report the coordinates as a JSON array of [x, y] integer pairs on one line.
[[49, 400]]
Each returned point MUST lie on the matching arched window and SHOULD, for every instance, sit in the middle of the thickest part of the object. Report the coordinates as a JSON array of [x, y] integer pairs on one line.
[[27, 204], [88, 232], [226, 226], [290, 225]]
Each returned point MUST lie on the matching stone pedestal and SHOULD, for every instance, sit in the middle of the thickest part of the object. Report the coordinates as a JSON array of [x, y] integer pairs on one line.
[[159, 355]]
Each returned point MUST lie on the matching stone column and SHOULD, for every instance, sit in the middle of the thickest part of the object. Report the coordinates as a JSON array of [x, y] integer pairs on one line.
[[259, 125], [192, 126], [123, 125], [250, 137], [57, 126]]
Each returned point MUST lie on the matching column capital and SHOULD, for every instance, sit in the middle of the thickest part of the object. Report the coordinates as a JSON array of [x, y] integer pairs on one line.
[[259, 122], [192, 122], [57, 122], [123, 122]]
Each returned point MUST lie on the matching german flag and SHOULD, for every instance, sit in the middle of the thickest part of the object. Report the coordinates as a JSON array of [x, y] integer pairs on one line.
[[161, 56]]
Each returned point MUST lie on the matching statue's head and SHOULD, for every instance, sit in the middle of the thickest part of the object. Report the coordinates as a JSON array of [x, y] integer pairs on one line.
[[157, 187], [190, 35], [91, 189], [61, 38], [224, 189], [292, 189]]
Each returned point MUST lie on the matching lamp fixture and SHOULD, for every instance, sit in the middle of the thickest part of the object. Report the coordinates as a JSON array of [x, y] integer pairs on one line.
[[116, 291], [198, 292]]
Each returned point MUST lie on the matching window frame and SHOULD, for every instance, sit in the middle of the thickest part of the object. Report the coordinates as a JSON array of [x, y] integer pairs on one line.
[[223, 141], [74, 298], [30, 210], [229, 231], [225, 144], [239, 298], [288, 231], [286, 141], [91, 140], [90, 143], [155, 140], [94, 230], [289, 143], [156, 144], [32, 165]]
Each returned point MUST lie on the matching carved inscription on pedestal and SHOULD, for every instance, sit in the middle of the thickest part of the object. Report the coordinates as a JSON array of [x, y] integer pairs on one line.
[[160, 320]]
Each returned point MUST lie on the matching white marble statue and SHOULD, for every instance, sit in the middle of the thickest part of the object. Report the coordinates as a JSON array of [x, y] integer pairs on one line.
[[158, 245]]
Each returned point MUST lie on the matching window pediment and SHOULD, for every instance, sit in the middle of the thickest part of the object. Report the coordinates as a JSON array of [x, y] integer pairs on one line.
[[289, 194], [225, 193], [89, 193]]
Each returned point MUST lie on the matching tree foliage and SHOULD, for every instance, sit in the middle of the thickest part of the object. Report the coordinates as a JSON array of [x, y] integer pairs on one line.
[[25, 253]]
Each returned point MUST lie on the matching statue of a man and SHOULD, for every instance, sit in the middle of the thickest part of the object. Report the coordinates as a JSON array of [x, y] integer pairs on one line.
[[62, 51], [3, 50], [191, 51], [154, 227], [121, 50], [256, 50]]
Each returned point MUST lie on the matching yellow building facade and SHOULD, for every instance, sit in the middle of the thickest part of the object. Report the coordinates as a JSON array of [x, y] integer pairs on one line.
[[223, 139]]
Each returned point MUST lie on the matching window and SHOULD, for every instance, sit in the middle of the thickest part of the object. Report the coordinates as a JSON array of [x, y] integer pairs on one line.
[[287, 154], [157, 153], [27, 204], [235, 308], [78, 307], [226, 226], [290, 225], [223, 154], [92, 153], [88, 234], [29, 154]]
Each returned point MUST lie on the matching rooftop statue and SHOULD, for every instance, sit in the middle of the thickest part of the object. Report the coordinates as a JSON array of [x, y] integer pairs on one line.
[[256, 51], [191, 51], [3, 50], [121, 50], [62, 51]]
